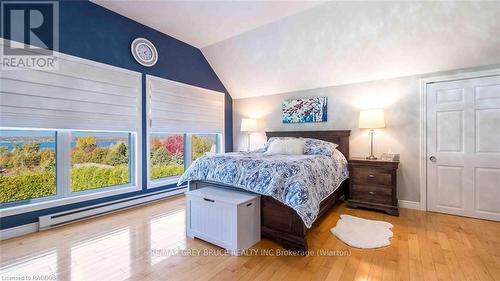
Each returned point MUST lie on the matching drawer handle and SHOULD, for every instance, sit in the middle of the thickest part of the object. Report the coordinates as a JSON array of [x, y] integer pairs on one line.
[[249, 204], [371, 193], [209, 200], [371, 176]]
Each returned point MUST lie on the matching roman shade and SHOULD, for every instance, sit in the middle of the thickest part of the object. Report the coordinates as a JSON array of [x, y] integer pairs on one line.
[[80, 94], [180, 108]]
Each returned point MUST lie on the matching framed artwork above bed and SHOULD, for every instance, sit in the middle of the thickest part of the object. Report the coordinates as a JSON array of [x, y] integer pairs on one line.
[[305, 110]]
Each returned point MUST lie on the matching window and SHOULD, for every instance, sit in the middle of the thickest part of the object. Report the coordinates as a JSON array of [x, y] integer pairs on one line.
[[99, 160], [203, 144], [171, 154], [197, 115], [68, 135], [166, 155], [27, 165], [32, 165]]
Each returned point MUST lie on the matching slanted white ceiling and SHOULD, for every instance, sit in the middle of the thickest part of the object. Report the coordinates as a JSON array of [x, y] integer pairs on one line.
[[201, 23], [265, 47], [348, 42]]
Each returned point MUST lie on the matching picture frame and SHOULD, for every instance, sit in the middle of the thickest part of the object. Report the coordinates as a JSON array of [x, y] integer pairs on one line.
[[305, 110]]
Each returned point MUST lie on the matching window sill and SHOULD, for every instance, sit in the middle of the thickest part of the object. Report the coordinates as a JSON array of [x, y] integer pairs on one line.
[[15, 210], [162, 182]]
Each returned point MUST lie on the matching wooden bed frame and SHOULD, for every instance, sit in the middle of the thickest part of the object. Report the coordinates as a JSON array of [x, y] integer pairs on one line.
[[280, 222]]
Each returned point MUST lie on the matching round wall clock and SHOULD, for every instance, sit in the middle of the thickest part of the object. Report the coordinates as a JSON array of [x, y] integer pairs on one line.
[[144, 52]]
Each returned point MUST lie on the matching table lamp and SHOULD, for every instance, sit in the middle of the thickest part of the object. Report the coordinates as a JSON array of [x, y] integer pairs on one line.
[[371, 119]]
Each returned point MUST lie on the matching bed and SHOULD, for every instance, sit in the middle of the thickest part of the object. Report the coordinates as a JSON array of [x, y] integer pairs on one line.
[[288, 219]]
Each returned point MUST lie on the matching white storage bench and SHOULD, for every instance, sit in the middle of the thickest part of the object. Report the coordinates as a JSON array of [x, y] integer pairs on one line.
[[229, 219]]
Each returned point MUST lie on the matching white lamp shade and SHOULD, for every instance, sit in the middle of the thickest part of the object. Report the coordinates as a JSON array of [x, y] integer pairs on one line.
[[248, 125], [371, 119]]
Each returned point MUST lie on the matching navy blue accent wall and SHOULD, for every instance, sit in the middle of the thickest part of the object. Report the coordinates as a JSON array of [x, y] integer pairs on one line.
[[92, 32]]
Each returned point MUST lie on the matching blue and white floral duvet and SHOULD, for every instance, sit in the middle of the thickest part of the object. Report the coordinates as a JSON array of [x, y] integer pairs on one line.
[[298, 181]]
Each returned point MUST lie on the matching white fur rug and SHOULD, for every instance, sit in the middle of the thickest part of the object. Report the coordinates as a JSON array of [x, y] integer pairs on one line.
[[362, 233]]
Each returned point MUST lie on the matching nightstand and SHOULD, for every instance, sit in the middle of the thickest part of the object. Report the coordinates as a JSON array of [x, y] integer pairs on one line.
[[373, 185]]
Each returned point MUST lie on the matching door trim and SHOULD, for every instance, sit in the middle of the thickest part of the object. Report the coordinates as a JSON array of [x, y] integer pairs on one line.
[[423, 121]]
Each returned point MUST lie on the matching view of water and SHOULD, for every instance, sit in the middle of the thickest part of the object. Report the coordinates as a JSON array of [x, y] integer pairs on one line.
[[52, 144]]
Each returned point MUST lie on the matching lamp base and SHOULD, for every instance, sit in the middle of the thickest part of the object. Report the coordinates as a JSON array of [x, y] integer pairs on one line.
[[371, 157], [248, 144]]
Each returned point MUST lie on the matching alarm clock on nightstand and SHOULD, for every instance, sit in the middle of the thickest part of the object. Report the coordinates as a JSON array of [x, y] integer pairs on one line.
[[144, 52]]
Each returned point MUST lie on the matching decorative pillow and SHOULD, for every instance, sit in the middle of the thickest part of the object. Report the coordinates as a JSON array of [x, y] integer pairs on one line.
[[270, 140], [286, 146], [319, 147], [258, 150]]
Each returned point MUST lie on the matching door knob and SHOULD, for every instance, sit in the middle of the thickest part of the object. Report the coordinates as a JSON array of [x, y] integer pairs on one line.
[[433, 158]]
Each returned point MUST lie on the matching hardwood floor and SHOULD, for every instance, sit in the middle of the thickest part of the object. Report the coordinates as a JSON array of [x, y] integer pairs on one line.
[[144, 244]]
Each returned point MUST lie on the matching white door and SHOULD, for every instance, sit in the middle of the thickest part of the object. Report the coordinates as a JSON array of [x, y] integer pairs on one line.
[[463, 147]]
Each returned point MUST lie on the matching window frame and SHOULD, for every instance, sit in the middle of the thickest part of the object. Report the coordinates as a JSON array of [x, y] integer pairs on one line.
[[64, 195], [132, 166], [120, 77], [187, 134], [155, 183], [38, 199], [218, 143]]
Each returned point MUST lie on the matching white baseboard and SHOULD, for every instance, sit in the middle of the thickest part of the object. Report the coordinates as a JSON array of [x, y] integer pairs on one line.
[[35, 227], [409, 204], [75, 215], [18, 230]]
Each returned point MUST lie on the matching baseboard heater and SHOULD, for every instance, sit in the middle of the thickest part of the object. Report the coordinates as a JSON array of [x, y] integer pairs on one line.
[[66, 217]]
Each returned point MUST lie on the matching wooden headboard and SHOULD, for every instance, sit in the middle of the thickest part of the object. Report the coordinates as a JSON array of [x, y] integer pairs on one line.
[[340, 137]]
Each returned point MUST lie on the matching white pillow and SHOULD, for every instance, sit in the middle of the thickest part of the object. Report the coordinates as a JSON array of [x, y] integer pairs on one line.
[[286, 146]]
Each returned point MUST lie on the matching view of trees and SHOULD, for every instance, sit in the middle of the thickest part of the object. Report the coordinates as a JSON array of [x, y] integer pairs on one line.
[[167, 153], [201, 144], [26, 172], [95, 166], [28, 165], [29, 171]]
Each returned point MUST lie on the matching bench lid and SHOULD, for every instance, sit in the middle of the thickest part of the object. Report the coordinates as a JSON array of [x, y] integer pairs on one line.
[[223, 194]]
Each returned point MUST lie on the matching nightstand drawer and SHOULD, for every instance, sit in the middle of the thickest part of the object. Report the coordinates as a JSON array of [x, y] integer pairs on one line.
[[373, 185], [365, 175], [372, 194]]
